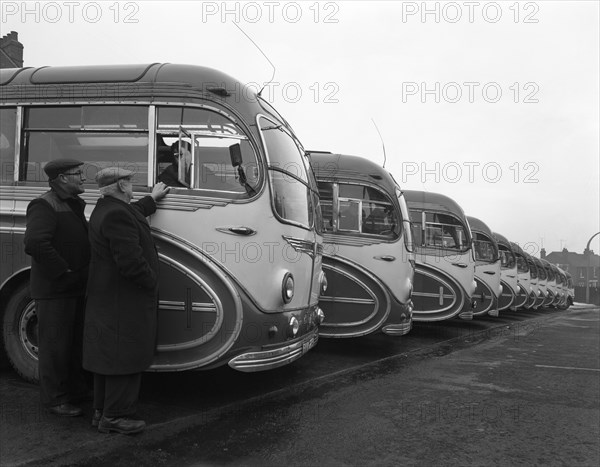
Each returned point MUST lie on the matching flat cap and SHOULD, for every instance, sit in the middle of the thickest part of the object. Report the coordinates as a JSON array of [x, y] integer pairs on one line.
[[54, 168], [112, 175]]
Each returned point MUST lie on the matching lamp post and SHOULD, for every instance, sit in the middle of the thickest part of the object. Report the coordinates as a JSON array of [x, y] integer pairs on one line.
[[587, 273]]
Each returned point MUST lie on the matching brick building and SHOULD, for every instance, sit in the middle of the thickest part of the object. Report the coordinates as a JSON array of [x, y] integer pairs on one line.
[[583, 267], [11, 51]]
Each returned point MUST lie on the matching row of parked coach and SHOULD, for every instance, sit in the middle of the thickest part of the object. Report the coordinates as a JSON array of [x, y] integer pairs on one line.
[[395, 256]]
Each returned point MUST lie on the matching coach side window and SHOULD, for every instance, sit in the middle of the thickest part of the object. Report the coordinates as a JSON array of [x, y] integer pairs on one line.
[[99, 135], [485, 249], [8, 121], [507, 257], [358, 209]]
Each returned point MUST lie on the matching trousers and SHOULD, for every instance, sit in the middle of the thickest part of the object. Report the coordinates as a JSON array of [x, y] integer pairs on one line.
[[117, 395], [60, 343]]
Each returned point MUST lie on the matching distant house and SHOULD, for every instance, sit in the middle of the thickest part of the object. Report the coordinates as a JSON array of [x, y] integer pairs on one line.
[[583, 267], [11, 51]]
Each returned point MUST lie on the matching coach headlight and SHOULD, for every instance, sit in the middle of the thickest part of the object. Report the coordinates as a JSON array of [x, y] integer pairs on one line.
[[287, 288]]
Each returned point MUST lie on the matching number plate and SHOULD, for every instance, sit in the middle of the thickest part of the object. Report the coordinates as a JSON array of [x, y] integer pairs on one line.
[[309, 344]]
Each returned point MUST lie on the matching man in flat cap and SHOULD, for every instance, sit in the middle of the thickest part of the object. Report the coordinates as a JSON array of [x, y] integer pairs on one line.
[[56, 238], [121, 312]]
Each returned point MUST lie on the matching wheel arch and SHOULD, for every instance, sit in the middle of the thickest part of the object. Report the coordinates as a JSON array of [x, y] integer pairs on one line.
[[9, 286]]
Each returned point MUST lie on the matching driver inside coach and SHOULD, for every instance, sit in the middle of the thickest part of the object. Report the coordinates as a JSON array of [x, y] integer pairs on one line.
[[170, 175]]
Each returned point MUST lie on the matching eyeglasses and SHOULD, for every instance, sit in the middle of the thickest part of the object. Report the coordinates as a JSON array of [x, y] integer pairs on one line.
[[80, 173]]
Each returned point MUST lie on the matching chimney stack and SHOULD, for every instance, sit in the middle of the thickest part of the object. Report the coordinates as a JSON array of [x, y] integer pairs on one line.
[[11, 51]]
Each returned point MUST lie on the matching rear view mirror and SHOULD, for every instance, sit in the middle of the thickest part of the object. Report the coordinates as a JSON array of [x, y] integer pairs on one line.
[[235, 153]]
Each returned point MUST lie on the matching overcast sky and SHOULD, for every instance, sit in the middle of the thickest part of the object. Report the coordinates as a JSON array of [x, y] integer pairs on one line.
[[494, 104]]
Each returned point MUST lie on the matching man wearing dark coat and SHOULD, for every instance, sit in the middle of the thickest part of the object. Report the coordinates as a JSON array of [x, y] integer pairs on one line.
[[56, 238], [122, 299]]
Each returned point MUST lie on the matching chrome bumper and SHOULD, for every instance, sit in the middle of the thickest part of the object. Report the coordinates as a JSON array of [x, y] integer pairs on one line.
[[268, 359], [397, 329], [466, 314]]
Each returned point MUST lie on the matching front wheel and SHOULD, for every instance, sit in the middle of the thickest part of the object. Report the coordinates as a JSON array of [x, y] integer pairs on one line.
[[21, 334]]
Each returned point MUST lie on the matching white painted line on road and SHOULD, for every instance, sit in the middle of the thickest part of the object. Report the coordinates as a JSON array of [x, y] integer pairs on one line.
[[568, 368]]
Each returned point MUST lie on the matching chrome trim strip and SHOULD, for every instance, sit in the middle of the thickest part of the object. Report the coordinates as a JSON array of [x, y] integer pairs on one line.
[[359, 301], [432, 295], [238, 230], [180, 306], [18, 133], [301, 245], [151, 144], [348, 240], [180, 202], [19, 230]]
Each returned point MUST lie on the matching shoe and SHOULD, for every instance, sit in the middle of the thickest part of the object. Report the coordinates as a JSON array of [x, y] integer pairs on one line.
[[124, 425], [66, 410], [96, 418]]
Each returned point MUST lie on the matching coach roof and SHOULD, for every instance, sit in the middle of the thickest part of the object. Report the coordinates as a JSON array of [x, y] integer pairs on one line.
[[142, 73], [433, 201], [517, 249], [502, 240], [142, 84], [340, 167], [479, 226]]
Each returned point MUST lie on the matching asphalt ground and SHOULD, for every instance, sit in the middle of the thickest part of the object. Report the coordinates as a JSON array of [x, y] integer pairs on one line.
[[520, 389]]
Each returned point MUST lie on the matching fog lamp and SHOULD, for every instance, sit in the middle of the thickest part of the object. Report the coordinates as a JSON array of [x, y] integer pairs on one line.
[[320, 316], [293, 327], [323, 282]]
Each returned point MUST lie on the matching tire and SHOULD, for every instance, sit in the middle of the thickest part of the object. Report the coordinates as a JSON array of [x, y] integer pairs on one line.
[[20, 333]]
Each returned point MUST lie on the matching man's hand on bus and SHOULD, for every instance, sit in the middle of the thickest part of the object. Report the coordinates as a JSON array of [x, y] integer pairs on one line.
[[159, 191]]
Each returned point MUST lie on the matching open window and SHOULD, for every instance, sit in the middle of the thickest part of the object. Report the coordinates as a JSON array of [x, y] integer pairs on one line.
[[199, 149]]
